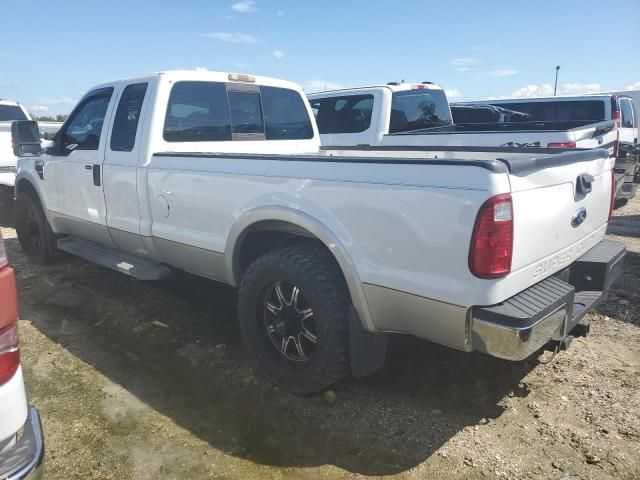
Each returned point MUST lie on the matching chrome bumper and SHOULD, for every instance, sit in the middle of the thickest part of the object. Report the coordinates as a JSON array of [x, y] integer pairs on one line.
[[549, 310], [24, 460]]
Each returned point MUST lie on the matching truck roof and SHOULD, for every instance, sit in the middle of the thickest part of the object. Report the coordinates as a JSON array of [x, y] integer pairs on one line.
[[394, 87], [9, 102], [208, 76]]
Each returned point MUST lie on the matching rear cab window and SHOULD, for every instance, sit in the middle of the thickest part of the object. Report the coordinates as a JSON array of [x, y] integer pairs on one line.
[[10, 113], [200, 111], [417, 109], [560, 110], [344, 114]]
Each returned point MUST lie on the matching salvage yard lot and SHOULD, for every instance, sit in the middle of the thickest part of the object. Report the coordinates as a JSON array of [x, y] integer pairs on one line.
[[149, 380]]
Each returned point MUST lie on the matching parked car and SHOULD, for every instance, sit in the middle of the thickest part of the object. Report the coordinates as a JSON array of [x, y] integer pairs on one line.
[[19, 458], [618, 107], [222, 175], [9, 111], [419, 115]]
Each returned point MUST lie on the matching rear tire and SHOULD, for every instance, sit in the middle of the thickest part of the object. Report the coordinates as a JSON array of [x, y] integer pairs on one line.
[[299, 341], [34, 232]]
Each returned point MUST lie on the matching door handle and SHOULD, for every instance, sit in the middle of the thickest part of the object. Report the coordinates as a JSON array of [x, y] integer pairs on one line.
[[88, 167]]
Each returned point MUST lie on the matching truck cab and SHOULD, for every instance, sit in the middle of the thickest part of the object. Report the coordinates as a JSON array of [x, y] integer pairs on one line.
[[363, 116]]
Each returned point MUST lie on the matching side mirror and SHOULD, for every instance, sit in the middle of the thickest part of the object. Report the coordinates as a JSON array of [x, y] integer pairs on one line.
[[25, 138]]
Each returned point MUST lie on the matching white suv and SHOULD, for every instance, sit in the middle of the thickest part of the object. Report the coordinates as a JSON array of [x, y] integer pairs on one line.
[[20, 458]]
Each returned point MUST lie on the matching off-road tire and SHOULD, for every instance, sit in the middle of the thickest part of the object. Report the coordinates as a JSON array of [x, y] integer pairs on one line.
[[34, 232], [316, 274]]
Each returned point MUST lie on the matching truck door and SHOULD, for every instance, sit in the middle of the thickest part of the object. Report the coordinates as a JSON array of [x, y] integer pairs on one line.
[[628, 132], [121, 168], [79, 154]]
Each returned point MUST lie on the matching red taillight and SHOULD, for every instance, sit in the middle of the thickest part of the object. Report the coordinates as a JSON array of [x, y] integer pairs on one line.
[[617, 118], [492, 241], [562, 145], [613, 193], [9, 353]]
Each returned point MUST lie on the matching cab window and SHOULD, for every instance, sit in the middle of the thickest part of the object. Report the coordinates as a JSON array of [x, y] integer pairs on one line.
[[84, 129], [125, 125]]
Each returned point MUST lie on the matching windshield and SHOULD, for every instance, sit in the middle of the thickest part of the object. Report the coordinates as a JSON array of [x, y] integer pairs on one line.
[[9, 113], [419, 108]]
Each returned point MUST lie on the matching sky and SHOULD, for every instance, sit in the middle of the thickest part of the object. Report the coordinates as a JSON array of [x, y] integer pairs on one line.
[[51, 53]]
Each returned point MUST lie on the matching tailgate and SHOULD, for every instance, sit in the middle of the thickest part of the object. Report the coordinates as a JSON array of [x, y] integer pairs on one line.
[[7, 159], [556, 218]]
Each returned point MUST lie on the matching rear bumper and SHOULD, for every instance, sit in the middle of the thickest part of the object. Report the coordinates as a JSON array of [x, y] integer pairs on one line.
[[550, 309], [24, 460]]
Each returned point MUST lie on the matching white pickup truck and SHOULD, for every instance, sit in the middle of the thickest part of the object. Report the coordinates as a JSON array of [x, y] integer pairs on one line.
[[419, 115], [9, 112], [222, 175]]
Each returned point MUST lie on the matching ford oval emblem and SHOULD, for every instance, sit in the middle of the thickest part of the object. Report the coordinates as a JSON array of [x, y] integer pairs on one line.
[[579, 217]]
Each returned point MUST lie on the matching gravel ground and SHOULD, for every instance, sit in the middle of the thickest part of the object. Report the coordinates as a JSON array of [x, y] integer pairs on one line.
[[148, 380]]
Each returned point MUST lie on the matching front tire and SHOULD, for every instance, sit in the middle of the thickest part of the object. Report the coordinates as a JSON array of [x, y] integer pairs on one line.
[[292, 306], [34, 232]]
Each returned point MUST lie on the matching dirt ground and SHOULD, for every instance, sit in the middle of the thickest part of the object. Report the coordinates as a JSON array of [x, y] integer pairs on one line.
[[149, 380]]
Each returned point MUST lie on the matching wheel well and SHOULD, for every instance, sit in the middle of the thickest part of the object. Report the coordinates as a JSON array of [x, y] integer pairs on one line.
[[263, 237], [25, 186]]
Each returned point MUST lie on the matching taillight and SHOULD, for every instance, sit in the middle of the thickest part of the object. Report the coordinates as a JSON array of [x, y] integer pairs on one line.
[[9, 352], [492, 241], [613, 193], [562, 145], [617, 118]]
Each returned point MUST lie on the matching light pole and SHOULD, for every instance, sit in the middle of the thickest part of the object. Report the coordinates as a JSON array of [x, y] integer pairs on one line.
[[555, 86]]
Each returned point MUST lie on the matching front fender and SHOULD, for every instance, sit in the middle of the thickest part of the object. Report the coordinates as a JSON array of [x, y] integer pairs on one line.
[[332, 240]]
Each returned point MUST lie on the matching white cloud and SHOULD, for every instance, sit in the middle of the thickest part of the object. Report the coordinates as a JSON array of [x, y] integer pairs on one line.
[[280, 13], [240, 65], [478, 48], [454, 94], [580, 88], [39, 109], [464, 64], [544, 90], [315, 85], [633, 86], [202, 69], [245, 38], [244, 6], [278, 54], [63, 100], [503, 72]]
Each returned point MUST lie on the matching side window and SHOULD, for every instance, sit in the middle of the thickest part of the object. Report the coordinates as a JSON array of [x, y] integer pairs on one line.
[[197, 112], [627, 113], [125, 125], [246, 113], [285, 114], [85, 125]]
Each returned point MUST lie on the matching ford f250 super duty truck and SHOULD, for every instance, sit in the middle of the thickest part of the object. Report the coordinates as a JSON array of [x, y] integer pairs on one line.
[[419, 115], [222, 175]]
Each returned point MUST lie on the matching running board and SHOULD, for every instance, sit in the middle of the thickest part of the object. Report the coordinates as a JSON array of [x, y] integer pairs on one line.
[[137, 267]]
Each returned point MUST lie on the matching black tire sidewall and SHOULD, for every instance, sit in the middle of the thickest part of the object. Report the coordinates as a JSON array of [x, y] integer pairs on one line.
[[329, 361], [42, 254]]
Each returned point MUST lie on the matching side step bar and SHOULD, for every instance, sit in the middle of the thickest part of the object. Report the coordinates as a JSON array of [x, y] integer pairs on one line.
[[131, 265]]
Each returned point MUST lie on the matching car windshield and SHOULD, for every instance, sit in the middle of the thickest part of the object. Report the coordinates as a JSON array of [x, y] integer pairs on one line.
[[559, 110], [418, 108], [9, 113]]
